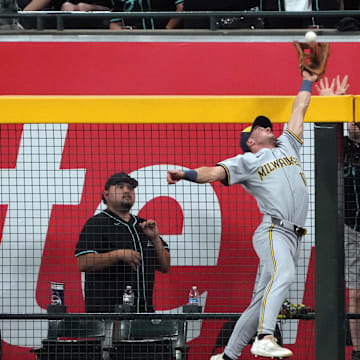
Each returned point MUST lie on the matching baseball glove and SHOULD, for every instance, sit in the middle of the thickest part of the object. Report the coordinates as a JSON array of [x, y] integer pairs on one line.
[[312, 56]]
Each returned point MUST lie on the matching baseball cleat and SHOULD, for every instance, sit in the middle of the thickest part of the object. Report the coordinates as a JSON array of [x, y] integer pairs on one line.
[[217, 357], [268, 347]]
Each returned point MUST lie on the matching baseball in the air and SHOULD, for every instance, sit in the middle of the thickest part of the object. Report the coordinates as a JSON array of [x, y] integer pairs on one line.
[[310, 36]]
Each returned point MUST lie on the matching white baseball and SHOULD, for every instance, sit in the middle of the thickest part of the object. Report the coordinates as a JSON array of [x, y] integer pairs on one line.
[[310, 36]]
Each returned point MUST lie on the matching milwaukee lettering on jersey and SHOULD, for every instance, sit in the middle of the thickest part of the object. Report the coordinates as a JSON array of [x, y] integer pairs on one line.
[[271, 166]]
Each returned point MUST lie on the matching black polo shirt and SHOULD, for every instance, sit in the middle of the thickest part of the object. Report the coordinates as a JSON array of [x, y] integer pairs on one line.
[[104, 289]]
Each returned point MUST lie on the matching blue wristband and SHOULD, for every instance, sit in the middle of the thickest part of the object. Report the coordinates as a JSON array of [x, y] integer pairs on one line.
[[190, 175], [306, 86]]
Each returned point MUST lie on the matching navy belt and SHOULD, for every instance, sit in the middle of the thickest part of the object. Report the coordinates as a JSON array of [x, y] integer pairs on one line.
[[298, 230]]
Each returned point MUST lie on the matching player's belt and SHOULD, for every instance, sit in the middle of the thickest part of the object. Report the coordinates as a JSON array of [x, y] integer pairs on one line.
[[298, 230]]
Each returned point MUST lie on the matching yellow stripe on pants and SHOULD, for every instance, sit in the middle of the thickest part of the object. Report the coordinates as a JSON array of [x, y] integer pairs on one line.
[[272, 279]]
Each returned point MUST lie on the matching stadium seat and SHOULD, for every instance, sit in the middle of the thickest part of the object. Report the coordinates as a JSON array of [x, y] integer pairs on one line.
[[158, 339], [72, 339]]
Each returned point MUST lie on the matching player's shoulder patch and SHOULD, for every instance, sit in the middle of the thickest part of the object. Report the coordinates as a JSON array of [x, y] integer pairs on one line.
[[289, 132]]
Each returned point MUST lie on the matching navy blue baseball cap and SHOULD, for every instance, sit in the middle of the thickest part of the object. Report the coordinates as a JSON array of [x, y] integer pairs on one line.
[[261, 121]]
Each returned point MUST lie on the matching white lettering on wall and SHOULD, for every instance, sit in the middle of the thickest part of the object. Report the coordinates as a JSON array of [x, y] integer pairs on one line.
[[30, 190]]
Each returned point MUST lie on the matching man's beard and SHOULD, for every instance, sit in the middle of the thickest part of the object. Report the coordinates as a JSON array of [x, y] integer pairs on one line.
[[126, 205]]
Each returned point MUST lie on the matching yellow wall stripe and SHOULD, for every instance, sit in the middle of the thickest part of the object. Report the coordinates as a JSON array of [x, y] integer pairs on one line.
[[272, 279], [168, 109]]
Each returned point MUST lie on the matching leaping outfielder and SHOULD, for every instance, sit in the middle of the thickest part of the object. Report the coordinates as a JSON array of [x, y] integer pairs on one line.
[[270, 171]]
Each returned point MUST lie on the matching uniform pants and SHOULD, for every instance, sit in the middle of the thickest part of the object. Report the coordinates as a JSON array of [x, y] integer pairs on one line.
[[278, 252]]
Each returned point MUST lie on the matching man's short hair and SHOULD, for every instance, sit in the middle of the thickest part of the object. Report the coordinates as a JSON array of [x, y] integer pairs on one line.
[[261, 121]]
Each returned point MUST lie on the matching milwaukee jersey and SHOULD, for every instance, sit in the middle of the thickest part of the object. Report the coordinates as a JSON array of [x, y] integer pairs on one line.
[[274, 177]]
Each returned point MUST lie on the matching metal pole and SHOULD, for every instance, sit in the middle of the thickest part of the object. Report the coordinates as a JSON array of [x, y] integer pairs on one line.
[[329, 240]]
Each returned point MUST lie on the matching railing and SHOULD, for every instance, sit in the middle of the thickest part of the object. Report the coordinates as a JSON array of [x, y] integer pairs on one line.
[[212, 16], [132, 316]]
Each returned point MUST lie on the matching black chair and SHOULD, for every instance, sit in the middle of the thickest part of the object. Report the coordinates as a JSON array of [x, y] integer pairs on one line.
[[71, 339], [150, 339]]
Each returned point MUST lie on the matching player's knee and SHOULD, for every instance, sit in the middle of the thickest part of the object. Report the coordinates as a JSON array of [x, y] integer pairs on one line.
[[286, 278]]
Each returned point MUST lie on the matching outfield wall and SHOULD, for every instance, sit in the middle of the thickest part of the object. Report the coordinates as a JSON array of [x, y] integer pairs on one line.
[[72, 161]]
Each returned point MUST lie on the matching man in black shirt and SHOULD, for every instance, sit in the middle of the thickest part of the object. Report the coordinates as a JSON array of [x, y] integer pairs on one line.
[[116, 249]]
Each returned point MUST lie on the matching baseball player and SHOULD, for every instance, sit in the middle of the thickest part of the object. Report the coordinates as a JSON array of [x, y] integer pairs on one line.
[[271, 172]]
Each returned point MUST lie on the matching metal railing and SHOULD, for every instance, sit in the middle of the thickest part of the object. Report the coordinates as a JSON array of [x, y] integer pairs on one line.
[[211, 16], [132, 316]]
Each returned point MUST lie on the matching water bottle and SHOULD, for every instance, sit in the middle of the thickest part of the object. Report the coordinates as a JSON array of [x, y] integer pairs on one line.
[[128, 297], [194, 297]]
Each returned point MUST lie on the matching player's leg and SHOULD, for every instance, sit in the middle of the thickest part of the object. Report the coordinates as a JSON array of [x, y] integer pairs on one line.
[[278, 252], [247, 324]]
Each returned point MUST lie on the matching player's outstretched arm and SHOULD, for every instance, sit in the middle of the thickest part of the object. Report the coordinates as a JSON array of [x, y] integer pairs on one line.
[[301, 104], [201, 175]]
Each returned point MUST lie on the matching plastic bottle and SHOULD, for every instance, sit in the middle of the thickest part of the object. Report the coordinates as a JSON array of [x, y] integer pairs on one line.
[[194, 297], [128, 297]]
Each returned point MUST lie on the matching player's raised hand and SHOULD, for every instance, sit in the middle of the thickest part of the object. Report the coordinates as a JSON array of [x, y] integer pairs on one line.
[[174, 176]]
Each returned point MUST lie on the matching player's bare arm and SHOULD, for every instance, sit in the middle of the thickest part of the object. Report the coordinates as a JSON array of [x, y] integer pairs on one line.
[[201, 175], [301, 104]]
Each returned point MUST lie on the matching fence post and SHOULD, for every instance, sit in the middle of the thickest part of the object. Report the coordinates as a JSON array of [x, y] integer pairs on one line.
[[329, 250]]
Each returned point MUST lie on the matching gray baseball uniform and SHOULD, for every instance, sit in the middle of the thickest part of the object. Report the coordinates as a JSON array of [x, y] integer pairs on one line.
[[275, 178]]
